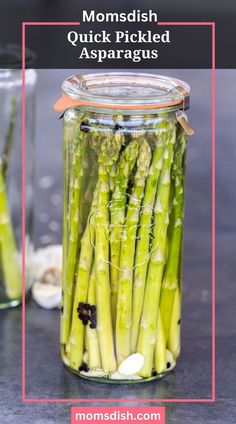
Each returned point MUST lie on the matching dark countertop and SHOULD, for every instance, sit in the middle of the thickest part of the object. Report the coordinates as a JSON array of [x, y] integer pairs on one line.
[[45, 375]]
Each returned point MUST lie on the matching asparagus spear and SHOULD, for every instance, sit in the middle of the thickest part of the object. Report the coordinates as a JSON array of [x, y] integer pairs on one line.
[[76, 340], [142, 249], [104, 320], [170, 279], [160, 348], [6, 153], [75, 345], [148, 325], [117, 207], [8, 250], [124, 302], [64, 240], [113, 150], [72, 233], [173, 343], [94, 357], [115, 140], [174, 337], [112, 177], [87, 183]]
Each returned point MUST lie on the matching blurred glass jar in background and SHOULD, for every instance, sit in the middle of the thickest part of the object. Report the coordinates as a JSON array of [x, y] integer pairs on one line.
[[11, 171]]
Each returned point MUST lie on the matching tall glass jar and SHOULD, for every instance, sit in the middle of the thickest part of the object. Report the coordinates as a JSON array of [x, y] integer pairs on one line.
[[10, 171], [124, 174]]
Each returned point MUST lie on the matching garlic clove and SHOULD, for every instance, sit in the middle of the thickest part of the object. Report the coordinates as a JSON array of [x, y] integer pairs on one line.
[[52, 276], [47, 296], [134, 377], [117, 376], [46, 268], [94, 373], [44, 259], [131, 365], [170, 361]]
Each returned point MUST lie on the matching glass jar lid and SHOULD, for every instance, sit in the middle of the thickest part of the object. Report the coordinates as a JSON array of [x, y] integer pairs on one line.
[[11, 56], [124, 90]]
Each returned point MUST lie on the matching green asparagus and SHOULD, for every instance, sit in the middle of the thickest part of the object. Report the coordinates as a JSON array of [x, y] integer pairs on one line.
[[94, 357], [148, 325], [8, 251], [9, 257], [6, 153], [126, 264], [173, 341], [160, 347], [104, 319], [117, 208], [76, 340], [143, 242], [72, 233], [170, 279], [124, 301], [114, 145], [75, 345]]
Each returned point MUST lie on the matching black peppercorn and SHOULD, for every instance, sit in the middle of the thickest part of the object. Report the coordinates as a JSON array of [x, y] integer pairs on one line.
[[86, 313], [84, 127], [92, 326], [83, 367], [118, 127]]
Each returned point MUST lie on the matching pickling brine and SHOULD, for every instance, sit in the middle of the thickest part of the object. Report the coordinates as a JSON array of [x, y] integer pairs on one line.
[[124, 179]]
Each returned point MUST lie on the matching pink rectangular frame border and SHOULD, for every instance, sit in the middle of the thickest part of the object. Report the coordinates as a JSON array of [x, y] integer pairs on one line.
[[213, 380]]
